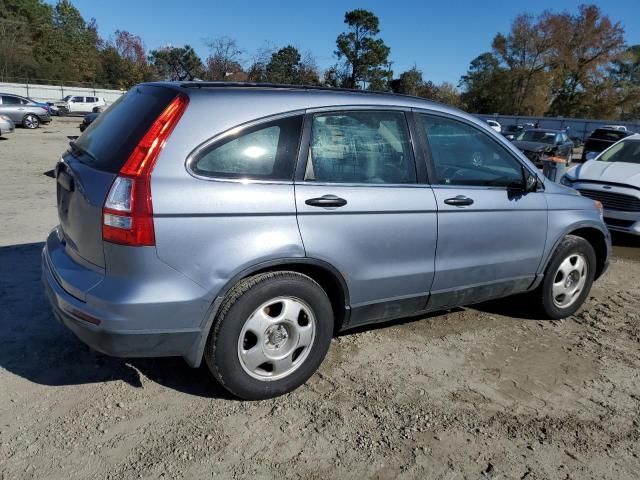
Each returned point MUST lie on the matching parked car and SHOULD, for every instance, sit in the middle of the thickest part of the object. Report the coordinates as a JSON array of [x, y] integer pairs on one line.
[[88, 120], [247, 238], [79, 104], [15, 99], [599, 140], [21, 113], [613, 178], [494, 125], [538, 144], [510, 132], [6, 125]]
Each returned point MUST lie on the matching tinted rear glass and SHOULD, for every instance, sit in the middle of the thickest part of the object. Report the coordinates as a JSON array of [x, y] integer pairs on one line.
[[611, 135], [113, 135]]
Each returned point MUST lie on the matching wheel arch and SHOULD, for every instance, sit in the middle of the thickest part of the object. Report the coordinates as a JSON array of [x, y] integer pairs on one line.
[[596, 236], [598, 241], [325, 274]]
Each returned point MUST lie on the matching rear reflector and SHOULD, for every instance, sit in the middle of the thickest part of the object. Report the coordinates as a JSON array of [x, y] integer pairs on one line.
[[127, 215]]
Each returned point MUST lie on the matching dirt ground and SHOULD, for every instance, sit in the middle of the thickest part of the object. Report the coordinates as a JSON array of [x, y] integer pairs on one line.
[[483, 392]]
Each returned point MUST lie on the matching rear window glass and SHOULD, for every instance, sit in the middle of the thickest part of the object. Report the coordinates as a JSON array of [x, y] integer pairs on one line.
[[266, 151], [113, 135], [605, 134]]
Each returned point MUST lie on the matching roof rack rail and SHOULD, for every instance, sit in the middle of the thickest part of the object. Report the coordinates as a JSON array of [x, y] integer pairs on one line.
[[284, 86]]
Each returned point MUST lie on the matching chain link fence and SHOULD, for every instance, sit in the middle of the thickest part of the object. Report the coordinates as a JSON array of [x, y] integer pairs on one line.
[[50, 91]]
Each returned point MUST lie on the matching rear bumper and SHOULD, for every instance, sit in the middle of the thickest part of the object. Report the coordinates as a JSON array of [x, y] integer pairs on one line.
[[103, 324]]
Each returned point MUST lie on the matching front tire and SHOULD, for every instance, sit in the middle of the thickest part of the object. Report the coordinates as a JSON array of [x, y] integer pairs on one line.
[[569, 276], [31, 121], [271, 334]]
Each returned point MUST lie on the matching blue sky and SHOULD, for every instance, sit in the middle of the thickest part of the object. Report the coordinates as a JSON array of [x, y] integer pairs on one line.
[[440, 37]]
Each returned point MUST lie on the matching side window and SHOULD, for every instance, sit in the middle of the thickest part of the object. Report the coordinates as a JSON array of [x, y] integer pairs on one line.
[[77, 99], [464, 155], [267, 151], [360, 147], [7, 100]]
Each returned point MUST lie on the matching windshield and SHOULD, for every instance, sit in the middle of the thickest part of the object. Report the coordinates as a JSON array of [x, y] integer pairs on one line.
[[627, 151], [537, 136], [66, 99]]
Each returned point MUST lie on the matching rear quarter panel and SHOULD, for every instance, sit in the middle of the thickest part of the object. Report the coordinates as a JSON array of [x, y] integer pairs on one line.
[[211, 230]]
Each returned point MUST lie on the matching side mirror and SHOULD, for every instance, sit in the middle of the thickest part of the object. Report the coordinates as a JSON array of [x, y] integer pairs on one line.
[[530, 182]]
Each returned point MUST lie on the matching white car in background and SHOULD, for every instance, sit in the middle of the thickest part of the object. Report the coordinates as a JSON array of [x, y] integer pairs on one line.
[[613, 178], [620, 128], [79, 104], [495, 125]]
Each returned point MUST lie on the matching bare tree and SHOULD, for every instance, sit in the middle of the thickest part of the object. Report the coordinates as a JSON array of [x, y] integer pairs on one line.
[[257, 71], [225, 59]]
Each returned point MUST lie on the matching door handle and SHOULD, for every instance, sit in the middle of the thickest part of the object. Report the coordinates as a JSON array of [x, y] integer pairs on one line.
[[326, 201], [459, 201]]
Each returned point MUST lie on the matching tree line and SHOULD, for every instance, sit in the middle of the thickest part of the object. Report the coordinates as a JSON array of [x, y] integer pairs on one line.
[[560, 64]]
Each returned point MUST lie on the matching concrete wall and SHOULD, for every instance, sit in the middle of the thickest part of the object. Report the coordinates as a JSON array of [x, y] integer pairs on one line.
[[578, 127], [52, 93]]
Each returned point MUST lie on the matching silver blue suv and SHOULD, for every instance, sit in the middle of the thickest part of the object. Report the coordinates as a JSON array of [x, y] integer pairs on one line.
[[245, 224]]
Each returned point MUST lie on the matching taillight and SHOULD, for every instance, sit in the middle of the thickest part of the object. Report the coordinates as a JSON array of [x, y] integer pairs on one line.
[[127, 214]]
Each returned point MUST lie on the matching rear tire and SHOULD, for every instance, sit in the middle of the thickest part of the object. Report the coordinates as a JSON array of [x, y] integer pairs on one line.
[[30, 121], [270, 335], [568, 278]]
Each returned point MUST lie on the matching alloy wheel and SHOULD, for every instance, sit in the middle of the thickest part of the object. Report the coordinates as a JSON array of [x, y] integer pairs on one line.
[[276, 338], [569, 280]]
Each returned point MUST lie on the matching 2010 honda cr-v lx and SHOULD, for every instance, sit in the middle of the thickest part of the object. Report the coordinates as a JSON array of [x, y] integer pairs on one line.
[[245, 224]]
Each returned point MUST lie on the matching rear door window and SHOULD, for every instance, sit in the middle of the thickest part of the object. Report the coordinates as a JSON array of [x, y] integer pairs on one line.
[[114, 134], [267, 151], [360, 147]]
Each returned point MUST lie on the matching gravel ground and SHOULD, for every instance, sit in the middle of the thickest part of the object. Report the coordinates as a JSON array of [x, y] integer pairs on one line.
[[483, 392]]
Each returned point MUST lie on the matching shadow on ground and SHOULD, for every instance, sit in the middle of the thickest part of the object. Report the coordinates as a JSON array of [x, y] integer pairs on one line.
[[36, 347], [626, 246]]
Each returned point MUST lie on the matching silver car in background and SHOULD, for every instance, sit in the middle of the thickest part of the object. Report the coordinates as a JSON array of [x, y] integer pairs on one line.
[[244, 225], [22, 111], [6, 125], [613, 178]]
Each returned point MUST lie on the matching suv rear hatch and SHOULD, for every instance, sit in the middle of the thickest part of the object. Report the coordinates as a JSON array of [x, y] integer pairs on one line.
[[88, 169]]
